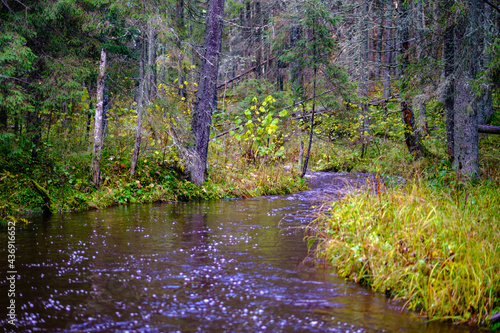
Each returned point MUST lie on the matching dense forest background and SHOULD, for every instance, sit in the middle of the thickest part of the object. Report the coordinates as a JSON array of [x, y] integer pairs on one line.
[[98, 93]]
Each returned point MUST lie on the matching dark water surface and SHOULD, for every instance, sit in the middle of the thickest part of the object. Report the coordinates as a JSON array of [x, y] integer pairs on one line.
[[221, 266]]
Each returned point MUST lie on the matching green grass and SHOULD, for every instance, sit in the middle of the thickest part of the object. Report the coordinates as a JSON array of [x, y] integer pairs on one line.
[[434, 247]]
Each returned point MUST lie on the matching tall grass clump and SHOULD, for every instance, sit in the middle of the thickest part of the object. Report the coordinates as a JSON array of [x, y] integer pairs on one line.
[[436, 248]]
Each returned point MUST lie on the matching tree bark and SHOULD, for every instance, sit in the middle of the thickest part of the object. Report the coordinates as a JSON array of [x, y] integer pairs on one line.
[[3, 117], [206, 102], [411, 136], [98, 127], [140, 103], [296, 70], [485, 103], [466, 136], [387, 56], [449, 91], [151, 69], [363, 80], [315, 71], [257, 23], [488, 129]]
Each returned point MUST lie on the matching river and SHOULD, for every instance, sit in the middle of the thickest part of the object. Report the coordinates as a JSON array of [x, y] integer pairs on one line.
[[235, 265]]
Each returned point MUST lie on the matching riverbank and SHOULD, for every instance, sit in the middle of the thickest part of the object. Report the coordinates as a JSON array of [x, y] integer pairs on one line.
[[434, 247], [154, 183]]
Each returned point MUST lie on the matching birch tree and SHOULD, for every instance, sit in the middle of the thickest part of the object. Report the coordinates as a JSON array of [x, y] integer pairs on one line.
[[98, 125]]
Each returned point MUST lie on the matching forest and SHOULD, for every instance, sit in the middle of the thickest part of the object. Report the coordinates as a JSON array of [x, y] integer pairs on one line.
[[109, 103]]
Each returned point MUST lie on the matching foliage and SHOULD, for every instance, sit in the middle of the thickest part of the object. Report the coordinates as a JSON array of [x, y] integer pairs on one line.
[[262, 131]]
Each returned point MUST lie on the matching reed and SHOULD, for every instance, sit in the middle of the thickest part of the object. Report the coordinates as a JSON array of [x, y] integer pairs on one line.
[[434, 247]]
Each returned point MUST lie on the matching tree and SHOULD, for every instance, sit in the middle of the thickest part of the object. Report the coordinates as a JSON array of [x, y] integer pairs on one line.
[[411, 135], [98, 127], [449, 91], [466, 139], [206, 98], [311, 46], [140, 109]]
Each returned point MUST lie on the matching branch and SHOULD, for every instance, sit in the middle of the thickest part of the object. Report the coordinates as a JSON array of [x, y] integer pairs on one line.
[[225, 132], [492, 5], [305, 100], [12, 78], [222, 85], [488, 129], [383, 101]]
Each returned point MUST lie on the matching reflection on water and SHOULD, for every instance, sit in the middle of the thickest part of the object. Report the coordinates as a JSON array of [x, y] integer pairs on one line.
[[224, 266]]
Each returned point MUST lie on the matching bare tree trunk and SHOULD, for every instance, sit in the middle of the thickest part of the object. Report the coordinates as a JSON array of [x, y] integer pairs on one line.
[[179, 11], [257, 24], [296, 70], [95, 167], [206, 96], [363, 80], [466, 136], [140, 105], [311, 133], [387, 56], [3, 116], [485, 103], [423, 126], [411, 136], [34, 129], [449, 91], [380, 37], [421, 100], [151, 71]]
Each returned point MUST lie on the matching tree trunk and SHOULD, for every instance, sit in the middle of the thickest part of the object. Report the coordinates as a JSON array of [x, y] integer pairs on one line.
[[466, 136], [34, 129], [181, 31], [296, 70], [423, 126], [89, 121], [206, 98], [258, 33], [449, 91], [140, 103], [380, 37], [151, 71], [387, 56], [485, 103], [311, 133], [98, 127], [411, 136], [363, 80], [3, 118]]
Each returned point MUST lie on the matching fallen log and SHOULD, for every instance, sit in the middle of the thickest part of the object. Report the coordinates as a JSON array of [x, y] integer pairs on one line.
[[488, 129]]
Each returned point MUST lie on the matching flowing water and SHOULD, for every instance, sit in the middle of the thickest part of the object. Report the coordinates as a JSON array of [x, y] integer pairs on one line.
[[218, 266]]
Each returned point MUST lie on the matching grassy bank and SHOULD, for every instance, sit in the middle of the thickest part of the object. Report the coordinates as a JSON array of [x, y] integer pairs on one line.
[[432, 242], [156, 180]]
